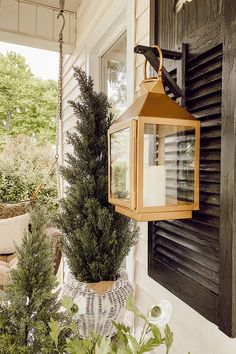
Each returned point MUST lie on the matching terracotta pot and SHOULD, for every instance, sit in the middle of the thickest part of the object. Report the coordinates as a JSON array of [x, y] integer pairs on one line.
[[99, 303]]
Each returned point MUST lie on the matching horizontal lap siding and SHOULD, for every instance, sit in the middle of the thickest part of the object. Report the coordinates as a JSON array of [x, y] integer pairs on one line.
[[191, 247], [70, 92], [142, 26]]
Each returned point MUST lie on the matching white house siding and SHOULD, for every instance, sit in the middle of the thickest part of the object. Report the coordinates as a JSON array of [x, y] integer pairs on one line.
[[142, 26], [93, 18], [192, 332]]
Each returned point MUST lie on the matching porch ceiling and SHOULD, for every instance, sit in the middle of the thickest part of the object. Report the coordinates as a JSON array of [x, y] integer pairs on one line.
[[70, 5], [34, 23]]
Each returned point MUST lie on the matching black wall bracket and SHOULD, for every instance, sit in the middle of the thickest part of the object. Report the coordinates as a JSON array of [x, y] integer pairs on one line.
[[151, 54]]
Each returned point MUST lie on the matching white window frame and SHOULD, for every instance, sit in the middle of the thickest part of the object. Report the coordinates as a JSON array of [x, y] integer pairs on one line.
[[115, 24]]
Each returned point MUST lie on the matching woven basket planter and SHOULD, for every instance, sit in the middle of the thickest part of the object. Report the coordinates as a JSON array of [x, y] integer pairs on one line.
[[101, 306]]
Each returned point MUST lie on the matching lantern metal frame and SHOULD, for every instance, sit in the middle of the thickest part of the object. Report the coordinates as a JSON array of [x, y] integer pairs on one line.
[[135, 208]]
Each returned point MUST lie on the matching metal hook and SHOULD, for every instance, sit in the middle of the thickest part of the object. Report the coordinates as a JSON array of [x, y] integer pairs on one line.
[[63, 24]]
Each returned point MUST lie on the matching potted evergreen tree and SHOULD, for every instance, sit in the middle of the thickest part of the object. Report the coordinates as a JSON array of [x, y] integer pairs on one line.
[[96, 238]]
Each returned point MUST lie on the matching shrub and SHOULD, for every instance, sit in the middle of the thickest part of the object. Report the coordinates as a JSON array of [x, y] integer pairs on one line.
[[23, 165]]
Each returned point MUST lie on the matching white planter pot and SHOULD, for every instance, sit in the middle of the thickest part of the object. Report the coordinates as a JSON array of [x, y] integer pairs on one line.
[[100, 309]]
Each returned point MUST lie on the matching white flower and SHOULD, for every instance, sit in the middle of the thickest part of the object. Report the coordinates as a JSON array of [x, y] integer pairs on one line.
[[160, 314], [81, 303]]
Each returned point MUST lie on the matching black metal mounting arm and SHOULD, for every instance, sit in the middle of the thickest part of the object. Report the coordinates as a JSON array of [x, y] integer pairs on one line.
[[151, 54]]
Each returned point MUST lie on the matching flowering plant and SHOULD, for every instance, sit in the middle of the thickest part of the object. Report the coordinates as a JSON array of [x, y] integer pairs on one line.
[[142, 339]]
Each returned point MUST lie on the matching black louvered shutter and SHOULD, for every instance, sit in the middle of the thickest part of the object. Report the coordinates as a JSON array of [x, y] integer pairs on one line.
[[184, 254]]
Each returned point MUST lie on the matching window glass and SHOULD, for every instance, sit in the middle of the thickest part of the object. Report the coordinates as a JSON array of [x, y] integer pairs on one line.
[[114, 75]]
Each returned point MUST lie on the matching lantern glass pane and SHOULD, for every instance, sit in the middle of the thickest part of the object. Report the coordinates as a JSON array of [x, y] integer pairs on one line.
[[168, 165], [120, 165]]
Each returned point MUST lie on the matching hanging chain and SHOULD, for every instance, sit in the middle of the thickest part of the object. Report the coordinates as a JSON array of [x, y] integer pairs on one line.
[[60, 97], [58, 117]]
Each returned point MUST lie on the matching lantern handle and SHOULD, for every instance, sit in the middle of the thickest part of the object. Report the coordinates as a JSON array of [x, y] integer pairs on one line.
[[159, 73]]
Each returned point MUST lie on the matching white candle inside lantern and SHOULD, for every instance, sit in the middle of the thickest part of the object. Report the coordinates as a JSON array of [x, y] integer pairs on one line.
[[154, 192]]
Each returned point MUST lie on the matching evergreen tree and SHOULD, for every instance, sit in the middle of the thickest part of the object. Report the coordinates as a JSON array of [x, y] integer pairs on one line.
[[31, 297], [97, 239]]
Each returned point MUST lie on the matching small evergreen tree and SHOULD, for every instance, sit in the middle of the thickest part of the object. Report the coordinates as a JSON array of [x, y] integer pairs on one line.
[[31, 297], [97, 239]]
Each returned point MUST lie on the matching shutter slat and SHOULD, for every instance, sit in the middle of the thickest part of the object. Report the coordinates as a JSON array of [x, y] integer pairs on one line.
[[195, 235], [204, 101], [211, 144], [214, 78], [200, 74], [191, 274], [192, 228], [209, 178], [188, 249], [190, 264], [202, 92], [206, 54], [205, 145], [208, 113], [203, 64]]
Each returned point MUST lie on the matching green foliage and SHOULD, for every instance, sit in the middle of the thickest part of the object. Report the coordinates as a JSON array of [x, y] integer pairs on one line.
[[96, 238], [30, 299], [27, 103], [169, 338], [119, 180], [126, 341], [23, 165]]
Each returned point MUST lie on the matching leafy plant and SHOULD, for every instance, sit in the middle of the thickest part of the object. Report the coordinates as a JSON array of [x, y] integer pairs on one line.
[[27, 103], [23, 165], [97, 239], [147, 338]]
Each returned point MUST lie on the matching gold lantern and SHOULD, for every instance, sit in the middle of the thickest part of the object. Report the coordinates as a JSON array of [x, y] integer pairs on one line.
[[154, 157]]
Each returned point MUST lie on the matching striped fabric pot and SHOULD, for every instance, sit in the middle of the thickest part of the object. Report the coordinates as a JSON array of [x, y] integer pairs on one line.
[[96, 310]]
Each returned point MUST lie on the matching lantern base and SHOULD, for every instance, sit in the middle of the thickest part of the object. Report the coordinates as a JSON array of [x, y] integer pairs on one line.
[[167, 215]]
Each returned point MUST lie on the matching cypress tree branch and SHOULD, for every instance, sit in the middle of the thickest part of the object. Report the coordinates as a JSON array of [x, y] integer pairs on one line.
[[31, 299]]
